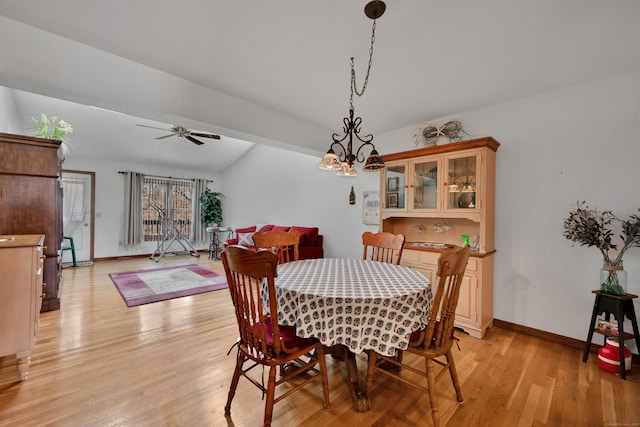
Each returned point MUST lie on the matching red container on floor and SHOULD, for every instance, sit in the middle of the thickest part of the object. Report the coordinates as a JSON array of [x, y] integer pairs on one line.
[[609, 357]]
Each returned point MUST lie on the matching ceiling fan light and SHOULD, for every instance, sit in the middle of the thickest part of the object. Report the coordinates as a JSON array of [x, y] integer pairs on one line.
[[330, 162], [183, 132], [374, 162]]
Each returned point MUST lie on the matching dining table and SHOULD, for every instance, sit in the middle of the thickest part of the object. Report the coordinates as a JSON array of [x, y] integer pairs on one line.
[[352, 306]]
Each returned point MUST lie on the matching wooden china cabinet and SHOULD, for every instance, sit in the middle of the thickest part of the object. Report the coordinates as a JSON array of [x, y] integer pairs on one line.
[[31, 201], [433, 196]]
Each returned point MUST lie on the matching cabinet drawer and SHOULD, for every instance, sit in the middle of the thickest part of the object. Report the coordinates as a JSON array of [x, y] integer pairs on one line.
[[472, 265], [419, 257], [429, 258], [411, 256]]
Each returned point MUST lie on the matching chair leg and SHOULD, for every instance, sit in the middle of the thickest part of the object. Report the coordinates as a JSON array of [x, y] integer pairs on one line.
[[433, 395], [325, 377], [271, 391], [234, 383], [454, 376]]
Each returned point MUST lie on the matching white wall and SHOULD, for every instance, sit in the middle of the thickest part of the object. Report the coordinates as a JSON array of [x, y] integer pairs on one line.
[[276, 186], [575, 143], [109, 209], [9, 122]]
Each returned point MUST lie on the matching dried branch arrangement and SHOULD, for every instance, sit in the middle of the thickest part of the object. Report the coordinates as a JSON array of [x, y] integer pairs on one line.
[[430, 134]]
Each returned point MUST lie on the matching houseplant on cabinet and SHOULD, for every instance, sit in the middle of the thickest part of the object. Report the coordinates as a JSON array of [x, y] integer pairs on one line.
[[591, 227], [47, 128], [211, 207]]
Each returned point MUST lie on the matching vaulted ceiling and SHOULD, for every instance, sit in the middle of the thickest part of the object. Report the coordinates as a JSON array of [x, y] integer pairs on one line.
[[431, 58]]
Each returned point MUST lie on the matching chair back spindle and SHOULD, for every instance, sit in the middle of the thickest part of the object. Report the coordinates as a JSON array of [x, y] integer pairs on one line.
[[251, 278], [451, 267], [284, 243], [383, 246], [247, 272], [434, 342]]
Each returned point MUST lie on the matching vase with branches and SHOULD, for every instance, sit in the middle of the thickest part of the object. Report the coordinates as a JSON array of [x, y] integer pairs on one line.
[[591, 227]]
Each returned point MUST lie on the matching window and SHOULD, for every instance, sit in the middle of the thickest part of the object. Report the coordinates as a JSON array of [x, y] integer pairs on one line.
[[166, 207]]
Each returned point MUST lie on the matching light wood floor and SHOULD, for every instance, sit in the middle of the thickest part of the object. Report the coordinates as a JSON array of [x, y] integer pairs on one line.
[[99, 363]]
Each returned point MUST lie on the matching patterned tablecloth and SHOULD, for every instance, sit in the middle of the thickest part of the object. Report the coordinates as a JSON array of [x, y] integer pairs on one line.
[[360, 304]]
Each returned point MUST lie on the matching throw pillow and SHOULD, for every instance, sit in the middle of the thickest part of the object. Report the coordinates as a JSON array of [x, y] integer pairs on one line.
[[266, 227], [309, 235], [280, 228], [245, 239], [246, 229]]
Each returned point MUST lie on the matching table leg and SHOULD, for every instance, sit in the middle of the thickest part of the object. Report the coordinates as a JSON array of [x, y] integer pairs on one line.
[[212, 245], [217, 246], [359, 396]]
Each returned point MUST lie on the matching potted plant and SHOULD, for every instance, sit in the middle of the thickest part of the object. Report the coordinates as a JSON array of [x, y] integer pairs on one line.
[[47, 128], [211, 207]]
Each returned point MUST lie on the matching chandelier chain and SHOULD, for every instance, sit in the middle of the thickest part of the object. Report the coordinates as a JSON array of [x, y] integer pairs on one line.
[[354, 87], [340, 155]]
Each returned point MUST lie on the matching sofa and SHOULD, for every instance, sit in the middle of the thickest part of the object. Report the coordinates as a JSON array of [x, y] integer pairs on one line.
[[310, 240]]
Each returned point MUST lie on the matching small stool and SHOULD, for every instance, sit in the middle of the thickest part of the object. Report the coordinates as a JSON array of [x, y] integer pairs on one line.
[[71, 248], [620, 306]]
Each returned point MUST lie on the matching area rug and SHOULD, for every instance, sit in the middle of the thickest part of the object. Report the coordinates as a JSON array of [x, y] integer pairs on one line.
[[159, 284]]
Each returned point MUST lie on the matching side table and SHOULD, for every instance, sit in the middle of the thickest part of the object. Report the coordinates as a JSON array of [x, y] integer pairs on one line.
[[215, 244], [620, 306]]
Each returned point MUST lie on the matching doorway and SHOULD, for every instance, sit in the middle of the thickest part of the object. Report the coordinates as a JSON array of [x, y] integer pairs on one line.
[[78, 213]]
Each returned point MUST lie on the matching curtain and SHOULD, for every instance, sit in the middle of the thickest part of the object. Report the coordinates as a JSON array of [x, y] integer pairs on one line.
[[133, 226], [73, 201], [198, 230]]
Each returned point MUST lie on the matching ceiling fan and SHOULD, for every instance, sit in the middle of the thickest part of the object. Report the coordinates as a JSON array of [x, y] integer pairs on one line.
[[182, 132]]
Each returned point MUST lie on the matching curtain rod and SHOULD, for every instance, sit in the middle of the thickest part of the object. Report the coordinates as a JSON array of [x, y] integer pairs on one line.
[[167, 177]]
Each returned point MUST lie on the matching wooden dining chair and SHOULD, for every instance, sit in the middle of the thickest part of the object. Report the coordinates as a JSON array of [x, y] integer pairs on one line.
[[262, 341], [284, 243], [433, 342], [383, 246]]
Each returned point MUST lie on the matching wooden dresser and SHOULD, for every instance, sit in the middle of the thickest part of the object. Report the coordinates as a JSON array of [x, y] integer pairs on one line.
[[21, 292], [31, 201]]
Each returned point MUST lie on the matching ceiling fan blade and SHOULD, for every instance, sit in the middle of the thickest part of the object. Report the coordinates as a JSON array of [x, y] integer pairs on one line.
[[153, 127], [166, 136], [205, 135], [192, 139]]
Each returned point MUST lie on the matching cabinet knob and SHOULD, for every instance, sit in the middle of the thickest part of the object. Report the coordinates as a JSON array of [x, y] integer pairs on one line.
[[42, 295], [44, 285], [43, 257]]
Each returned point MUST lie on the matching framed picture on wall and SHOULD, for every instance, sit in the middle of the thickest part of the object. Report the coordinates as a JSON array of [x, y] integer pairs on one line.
[[392, 183], [371, 207], [392, 200]]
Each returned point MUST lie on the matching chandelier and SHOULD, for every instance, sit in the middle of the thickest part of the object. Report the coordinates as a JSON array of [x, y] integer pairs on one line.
[[342, 158]]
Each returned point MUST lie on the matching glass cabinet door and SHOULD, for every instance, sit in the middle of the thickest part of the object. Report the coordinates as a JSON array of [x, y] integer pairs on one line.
[[395, 187], [462, 181], [425, 184]]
